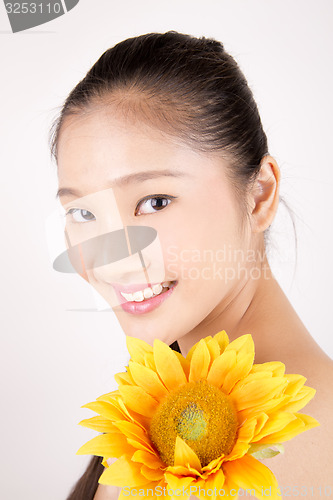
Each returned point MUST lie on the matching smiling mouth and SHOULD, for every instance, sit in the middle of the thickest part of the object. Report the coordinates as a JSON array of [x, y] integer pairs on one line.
[[149, 292]]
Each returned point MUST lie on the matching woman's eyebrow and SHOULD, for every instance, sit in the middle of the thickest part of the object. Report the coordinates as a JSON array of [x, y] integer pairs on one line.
[[126, 179]]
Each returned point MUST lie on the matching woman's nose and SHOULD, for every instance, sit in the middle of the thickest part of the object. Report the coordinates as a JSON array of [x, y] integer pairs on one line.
[[116, 245], [124, 256], [130, 269]]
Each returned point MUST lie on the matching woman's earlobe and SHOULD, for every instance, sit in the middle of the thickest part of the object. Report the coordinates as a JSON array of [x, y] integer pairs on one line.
[[265, 195]]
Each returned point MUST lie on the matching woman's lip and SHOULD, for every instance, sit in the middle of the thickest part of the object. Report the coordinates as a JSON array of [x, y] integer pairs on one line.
[[146, 305]]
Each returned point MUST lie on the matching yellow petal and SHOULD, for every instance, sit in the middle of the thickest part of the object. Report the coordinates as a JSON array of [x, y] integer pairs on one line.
[[221, 366], [137, 349], [151, 474], [106, 445], [276, 367], [147, 458], [140, 420], [275, 423], [139, 445], [200, 362], [132, 431], [295, 383], [300, 424], [123, 473], [253, 394], [244, 437], [213, 348], [191, 351], [213, 484], [263, 407], [168, 366], [184, 362], [241, 369], [98, 423], [239, 450], [309, 422], [182, 471], [229, 490], [243, 344], [214, 465], [255, 377], [261, 421], [147, 379], [178, 482], [304, 395], [246, 431], [217, 479], [149, 361], [123, 378], [284, 401], [106, 410], [222, 339], [120, 412], [249, 473], [136, 399], [184, 455]]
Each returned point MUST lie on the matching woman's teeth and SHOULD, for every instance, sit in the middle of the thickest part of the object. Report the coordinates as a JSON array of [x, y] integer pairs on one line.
[[147, 293]]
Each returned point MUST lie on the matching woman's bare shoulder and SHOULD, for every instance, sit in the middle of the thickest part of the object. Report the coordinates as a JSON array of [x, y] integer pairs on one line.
[[306, 467], [318, 370]]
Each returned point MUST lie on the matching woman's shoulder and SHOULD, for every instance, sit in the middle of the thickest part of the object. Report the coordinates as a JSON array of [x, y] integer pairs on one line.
[[320, 377], [317, 367], [306, 466]]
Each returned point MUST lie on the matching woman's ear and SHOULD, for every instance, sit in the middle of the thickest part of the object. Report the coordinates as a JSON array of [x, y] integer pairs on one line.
[[264, 195]]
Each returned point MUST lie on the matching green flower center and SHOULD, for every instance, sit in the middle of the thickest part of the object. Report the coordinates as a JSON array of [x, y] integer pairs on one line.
[[192, 424], [202, 415]]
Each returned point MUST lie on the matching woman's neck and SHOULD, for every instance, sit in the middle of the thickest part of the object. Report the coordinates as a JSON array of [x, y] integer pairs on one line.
[[258, 307]]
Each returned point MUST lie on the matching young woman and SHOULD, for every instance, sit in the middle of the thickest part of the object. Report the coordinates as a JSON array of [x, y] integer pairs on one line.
[[163, 133]]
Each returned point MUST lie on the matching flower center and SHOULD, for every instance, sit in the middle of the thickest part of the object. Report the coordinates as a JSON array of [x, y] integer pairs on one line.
[[202, 415], [192, 424]]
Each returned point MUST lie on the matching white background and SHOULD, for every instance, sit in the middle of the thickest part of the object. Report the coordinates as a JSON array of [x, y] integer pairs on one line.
[[53, 359]]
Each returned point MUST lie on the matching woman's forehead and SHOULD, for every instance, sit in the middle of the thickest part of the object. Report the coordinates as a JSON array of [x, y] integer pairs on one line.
[[101, 144]]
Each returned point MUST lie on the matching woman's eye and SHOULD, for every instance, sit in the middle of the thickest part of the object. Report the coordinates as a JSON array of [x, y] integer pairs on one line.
[[80, 215], [152, 204]]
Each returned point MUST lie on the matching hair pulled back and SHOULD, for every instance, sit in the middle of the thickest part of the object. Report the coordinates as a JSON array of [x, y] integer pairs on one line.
[[190, 87]]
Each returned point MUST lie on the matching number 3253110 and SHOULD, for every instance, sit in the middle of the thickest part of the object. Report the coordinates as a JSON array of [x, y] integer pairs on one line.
[[32, 8]]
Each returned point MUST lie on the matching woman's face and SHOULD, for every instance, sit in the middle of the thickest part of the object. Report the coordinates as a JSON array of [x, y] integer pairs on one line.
[[183, 195]]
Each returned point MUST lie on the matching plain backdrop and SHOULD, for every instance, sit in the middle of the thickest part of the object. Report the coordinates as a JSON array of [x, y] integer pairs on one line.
[[56, 356]]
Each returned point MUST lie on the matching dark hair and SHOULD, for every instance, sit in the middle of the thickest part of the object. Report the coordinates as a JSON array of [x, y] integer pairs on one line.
[[86, 486], [192, 89], [189, 87]]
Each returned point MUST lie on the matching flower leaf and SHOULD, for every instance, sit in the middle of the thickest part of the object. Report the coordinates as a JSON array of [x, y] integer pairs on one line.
[[262, 451]]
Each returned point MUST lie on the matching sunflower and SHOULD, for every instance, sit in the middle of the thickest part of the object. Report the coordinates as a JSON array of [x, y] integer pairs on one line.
[[196, 425]]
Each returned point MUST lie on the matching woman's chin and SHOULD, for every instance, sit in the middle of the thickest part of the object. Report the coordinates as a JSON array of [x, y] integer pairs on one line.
[[149, 333]]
